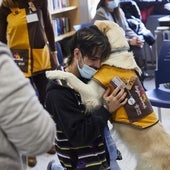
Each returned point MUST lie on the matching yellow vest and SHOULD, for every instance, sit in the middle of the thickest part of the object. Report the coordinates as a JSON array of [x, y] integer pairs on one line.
[[27, 43], [137, 111]]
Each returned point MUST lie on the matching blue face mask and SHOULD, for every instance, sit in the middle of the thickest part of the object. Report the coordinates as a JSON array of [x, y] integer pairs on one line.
[[86, 71], [113, 4]]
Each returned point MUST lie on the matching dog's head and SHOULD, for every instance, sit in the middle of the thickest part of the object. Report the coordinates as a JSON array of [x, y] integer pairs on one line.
[[115, 34], [119, 44]]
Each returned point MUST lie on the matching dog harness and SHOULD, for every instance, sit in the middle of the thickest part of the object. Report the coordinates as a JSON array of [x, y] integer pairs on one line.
[[138, 111]]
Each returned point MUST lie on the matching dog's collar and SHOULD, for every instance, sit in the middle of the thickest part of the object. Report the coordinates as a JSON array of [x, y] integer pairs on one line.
[[120, 50]]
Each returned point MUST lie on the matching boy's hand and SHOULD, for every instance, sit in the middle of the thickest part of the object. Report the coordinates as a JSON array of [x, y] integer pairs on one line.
[[115, 99]]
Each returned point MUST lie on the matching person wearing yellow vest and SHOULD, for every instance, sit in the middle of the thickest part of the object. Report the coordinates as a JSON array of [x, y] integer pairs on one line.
[[25, 26]]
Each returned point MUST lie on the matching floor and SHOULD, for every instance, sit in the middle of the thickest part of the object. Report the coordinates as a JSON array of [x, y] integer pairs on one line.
[[128, 163]]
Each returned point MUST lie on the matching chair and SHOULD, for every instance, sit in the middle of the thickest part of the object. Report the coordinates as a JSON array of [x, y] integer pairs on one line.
[[160, 96], [83, 25], [60, 53]]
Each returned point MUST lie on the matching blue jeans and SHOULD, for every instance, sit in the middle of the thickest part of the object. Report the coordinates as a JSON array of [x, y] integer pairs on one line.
[[54, 166], [112, 149]]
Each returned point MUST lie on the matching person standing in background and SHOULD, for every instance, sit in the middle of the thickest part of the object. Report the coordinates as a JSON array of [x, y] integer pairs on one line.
[[25, 126], [110, 10], [26, 28]]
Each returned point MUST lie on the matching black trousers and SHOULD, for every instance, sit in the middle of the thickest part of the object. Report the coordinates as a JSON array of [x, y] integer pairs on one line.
[[140, 60], [39, 82], [139, 56]]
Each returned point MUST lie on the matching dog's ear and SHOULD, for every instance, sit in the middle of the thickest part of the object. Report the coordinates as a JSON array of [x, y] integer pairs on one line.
[[106, 29], [102, 26], [115, 34]]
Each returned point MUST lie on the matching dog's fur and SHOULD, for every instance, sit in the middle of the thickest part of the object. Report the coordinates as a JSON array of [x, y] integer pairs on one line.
[[151, 146]]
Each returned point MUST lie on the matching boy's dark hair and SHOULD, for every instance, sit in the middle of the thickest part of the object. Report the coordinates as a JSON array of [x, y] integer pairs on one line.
[[89, 41]]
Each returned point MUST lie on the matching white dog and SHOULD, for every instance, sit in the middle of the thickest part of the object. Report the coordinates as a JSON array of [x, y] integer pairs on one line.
[[135, 123]]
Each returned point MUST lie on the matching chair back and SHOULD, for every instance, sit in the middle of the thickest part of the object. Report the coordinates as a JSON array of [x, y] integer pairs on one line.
[[60, 53], [162, 72], [77, 27]]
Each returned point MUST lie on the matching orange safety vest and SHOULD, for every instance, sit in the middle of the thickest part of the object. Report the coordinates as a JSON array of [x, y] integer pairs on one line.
[[137, 111]]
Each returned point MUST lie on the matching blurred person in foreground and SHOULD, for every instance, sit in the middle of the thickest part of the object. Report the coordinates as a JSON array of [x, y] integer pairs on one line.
[[26, 28], [26, 128]]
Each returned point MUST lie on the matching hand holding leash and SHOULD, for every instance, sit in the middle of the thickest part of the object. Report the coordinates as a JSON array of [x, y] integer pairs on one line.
[[115, 99]]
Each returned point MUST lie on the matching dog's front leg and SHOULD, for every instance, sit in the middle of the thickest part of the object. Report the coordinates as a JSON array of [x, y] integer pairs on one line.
[[73, 81], [91, 97]]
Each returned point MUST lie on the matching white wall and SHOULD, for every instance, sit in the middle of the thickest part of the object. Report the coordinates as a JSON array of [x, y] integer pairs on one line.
[[84, 13], [87, 9], [92, 4]]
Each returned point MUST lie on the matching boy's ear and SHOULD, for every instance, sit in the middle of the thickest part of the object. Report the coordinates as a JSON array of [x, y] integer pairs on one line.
[[76, 52]]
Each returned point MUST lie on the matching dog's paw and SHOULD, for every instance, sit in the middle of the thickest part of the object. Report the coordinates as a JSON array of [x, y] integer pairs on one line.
[[54, 74], [57, 74]]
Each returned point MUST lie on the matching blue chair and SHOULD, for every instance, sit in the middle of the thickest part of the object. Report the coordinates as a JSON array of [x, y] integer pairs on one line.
[[77, 27], [160, 96]]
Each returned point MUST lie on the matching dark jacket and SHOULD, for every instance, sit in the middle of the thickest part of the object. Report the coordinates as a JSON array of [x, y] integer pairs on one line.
[[80, 141]]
